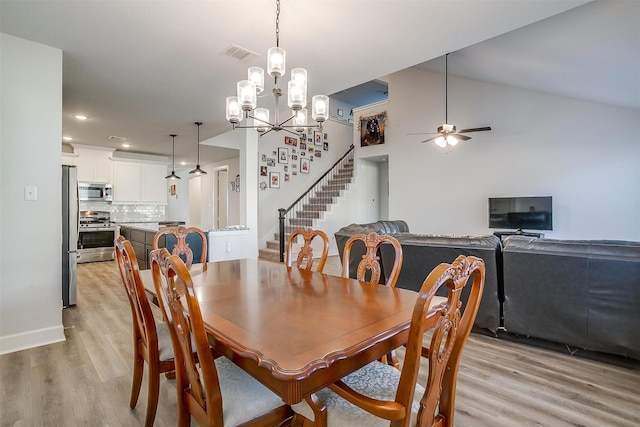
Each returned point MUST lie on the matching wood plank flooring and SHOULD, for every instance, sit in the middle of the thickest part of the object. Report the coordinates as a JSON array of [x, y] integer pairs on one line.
[[86, 380]]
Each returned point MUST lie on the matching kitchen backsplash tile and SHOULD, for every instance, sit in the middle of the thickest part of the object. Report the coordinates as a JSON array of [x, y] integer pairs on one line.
[[127, 213]]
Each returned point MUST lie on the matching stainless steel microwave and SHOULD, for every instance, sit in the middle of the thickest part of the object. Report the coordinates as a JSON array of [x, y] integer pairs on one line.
[[95, 192]]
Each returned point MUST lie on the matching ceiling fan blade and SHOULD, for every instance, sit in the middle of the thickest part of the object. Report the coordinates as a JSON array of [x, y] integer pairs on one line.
[[429, 139], [474, 130], [461, 137], [423, 133]]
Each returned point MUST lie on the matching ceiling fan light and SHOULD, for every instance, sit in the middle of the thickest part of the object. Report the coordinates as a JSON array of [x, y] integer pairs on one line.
[[452, 140], [440, 142]]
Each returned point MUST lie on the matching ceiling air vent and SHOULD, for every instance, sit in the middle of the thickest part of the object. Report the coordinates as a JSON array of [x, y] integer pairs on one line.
[[238, 53], [117, 138]]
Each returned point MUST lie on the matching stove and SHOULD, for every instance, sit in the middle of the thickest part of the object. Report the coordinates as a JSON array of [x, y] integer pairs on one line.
[[95, 236]]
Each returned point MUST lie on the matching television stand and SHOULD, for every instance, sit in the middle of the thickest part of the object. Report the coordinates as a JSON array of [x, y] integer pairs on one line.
[[502, 234]]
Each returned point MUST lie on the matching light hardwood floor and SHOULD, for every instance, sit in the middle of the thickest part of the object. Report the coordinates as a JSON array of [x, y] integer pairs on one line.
[[86, 380]]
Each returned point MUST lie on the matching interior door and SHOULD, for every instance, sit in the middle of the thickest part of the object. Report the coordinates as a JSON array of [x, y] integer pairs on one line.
[[222, 200]]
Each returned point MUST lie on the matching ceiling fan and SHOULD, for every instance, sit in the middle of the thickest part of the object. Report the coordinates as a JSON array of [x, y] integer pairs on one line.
[[447, 134]]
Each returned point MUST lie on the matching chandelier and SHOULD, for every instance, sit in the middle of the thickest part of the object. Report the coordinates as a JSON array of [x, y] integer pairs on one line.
[[244, 104]]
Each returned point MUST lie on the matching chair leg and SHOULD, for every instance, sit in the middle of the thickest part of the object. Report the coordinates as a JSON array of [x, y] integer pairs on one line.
[[154, 391], [138, 368]]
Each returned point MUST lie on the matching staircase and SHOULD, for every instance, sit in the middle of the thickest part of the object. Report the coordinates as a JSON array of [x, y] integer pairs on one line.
[[309, 207]]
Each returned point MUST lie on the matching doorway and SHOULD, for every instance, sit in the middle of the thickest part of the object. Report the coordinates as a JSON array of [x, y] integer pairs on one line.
[[222, 199]]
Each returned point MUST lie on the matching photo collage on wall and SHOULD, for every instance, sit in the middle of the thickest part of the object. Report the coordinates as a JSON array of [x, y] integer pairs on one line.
[[295, 156]]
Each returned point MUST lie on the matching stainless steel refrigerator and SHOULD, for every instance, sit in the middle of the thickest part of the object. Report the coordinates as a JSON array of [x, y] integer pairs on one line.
[[70, 224]]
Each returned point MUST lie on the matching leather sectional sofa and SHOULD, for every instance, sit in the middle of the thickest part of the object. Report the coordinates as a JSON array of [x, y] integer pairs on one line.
[[422, 253], [581, 294], [585, 294]]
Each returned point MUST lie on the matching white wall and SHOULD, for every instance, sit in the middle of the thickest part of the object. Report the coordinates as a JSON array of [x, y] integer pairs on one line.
[[178, 205], [585, 155], [30, 231]]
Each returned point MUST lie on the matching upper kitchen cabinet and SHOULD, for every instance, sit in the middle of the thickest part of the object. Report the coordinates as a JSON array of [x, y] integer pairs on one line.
[[136, 182], [94, 164]]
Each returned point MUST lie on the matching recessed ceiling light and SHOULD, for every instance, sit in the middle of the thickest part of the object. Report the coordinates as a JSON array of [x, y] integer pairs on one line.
[[183, 163], [67, 138], [80, 116], [126, 145]]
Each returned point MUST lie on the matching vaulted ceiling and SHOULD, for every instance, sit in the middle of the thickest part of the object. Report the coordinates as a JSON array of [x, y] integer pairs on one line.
[[145, 69]]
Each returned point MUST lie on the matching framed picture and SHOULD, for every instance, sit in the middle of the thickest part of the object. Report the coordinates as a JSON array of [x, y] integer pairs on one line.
[[340, 112], [304, 165], [325, 146], [289, 140], [274, 179], [317, 138], [303, 145], [294, 157], [271, 161], [286, 168], [263, 158], [172, 190], [263, 171], [286, 177], [283, 155], [318, 153], [372, 129]]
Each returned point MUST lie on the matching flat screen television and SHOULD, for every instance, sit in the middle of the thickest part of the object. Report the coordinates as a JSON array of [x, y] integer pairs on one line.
[[531, 213]]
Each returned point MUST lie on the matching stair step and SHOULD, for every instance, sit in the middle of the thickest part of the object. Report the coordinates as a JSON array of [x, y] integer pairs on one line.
[[311, 213], [273, 244], [301, 222], [270, 254]]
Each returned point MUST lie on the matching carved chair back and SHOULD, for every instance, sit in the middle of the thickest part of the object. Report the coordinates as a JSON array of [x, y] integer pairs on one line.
[[304, 260], [182, 247], [370, 262]]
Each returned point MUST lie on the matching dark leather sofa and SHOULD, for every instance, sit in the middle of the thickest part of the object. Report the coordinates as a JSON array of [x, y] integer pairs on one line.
[[584, 294], [422, 253]]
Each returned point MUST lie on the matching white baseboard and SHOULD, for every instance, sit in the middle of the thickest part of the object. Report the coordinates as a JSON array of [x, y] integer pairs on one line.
[[31, 339]]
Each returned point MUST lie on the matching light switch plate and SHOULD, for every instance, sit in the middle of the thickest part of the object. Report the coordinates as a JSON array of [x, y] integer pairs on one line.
[[30, 192]]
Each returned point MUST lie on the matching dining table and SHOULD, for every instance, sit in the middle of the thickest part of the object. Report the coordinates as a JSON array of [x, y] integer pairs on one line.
[[296, 331]]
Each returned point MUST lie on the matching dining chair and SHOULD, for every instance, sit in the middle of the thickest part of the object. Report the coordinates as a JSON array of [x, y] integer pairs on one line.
[[151, 340], [182, 247], [370, 263], [305, 256], [201, 387], [384, 396]]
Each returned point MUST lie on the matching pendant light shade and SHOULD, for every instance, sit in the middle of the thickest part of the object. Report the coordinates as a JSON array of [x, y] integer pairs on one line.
[[173, 160], [197, 170]]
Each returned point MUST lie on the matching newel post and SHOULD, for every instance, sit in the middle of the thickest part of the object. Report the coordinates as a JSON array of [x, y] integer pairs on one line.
[[281, 213]]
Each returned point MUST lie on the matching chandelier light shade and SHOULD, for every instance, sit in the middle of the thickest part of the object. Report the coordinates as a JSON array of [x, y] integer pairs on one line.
[[173, 159], [197, 170], [244, 104]]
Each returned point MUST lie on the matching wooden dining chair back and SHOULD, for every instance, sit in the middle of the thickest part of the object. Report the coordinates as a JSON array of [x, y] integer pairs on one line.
[[181, 247], [151, 341], [370, 263], [304, 261], [381, 394], [201, 381]]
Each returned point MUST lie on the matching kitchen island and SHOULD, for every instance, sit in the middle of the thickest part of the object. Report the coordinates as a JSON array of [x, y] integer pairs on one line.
[[222, 244]]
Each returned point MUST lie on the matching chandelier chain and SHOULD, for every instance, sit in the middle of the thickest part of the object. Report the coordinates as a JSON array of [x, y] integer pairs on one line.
[[278, 23]]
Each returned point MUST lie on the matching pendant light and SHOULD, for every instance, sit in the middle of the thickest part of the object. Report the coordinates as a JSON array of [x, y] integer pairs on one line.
[[197, 170], [173, 160]]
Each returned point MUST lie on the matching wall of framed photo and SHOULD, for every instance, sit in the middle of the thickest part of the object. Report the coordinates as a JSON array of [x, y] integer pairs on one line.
[[289, 163]]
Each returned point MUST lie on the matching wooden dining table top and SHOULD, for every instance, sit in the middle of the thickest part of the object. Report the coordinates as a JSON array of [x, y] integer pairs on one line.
[[294, 330]]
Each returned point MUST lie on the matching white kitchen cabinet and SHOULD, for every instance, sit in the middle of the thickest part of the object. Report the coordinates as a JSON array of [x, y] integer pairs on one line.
[[94, 165], [135, 182], [154, 184], [69, 159]]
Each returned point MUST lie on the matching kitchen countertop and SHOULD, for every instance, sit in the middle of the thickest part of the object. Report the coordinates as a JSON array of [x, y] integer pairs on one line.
[[155, 226]]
